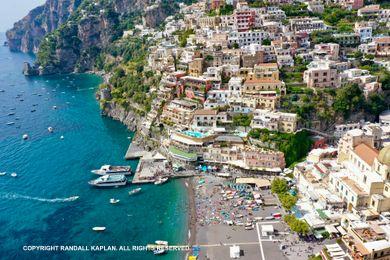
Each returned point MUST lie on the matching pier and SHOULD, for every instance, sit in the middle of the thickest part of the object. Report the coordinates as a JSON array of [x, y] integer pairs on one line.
[[134, 152]]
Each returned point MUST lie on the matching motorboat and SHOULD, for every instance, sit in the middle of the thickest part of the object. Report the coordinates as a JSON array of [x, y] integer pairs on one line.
[[10, 123], [25, 136], [14, 175], [114, 201], [161, 180], [50, 129], [109, 181], [135, 191], [161, 242], [99, 229], [3, 173], [109, 169], [11, 114]]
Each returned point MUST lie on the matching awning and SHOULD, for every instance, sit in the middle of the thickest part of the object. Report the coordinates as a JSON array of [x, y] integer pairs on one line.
[[331, 229], [341, 230]]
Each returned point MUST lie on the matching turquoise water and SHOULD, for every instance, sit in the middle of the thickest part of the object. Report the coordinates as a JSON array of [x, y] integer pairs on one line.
[[35, 207], [194, 134]]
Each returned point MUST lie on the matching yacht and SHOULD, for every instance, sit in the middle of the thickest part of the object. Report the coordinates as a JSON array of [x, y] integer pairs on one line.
[[97, 229], [135, 191], [161, 180], [109, 181], [109, 169]]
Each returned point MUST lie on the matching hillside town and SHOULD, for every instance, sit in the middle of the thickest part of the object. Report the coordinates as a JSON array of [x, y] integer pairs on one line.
[[283, 109]]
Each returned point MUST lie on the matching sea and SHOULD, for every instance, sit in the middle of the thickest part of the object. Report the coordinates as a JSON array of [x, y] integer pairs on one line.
[[39, 214]]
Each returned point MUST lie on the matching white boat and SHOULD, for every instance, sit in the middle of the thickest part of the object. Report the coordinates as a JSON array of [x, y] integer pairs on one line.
[[10, 123], [135, 191], [109, 181], [109, 169], [14, 174], [114, 201], [161, 242], [99, 229], [161, 181], [50, 129], [62, 137], [25, 136], [159, 251], [3, 173]]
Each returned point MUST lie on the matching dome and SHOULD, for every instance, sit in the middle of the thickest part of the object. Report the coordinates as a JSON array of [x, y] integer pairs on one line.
[[384, 155]]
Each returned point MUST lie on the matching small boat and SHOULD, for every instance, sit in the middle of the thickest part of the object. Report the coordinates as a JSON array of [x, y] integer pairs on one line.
[[3, 173], [2, 90], [62, 137], [14, 175], [161, 242], [159, 251], [50, 129], [114, 201], [135, 191], [25, 136], [54, 107], [11, 114], [109, 169], [10, 123], [33, 110], [109, 181], [99, 229], [161, 181]]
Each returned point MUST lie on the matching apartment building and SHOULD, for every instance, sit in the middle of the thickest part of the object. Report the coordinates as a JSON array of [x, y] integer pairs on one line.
[[178, 112], [321, 74], [274, 120]]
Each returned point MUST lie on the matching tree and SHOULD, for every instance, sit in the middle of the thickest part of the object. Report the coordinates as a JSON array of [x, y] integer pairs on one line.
[[279, 186], [242, 120], [288, 201], [266, 42], [348, 99], [296, 225], [376, 104]]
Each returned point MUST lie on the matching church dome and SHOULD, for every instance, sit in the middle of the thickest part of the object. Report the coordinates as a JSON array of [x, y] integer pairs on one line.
[[384, 155]]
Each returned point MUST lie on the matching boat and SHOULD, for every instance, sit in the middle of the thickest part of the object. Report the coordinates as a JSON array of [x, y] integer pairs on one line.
[[109, 181], [135, 191], [54, 107], [14, 174], [62, 137], [3, 173], [10, 123], [99, 229], [159, 251], [25, 136], [11, 114], [161, 180], [109, 169], [2, 90], [50, 129], [33, 110], [114, 201], [161, 242]]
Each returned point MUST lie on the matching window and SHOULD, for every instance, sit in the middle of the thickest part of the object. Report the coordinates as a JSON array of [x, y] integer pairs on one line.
[[365, 179]]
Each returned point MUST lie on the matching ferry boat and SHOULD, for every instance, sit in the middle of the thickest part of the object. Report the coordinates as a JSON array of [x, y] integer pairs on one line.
[[109, 169], [135, 191], [161, 181], [109, 181]]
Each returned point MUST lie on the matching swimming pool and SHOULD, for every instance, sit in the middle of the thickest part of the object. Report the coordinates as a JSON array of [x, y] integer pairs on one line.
[[194, 134]]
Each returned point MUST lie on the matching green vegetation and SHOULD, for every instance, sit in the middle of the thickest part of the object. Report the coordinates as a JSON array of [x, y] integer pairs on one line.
[[183, 35], [296, 10], [313, 257], [296, 225], [266, 42], [334, 15], [294, 146], [226, 10], [348, 99], [242, 120], [280, 187]]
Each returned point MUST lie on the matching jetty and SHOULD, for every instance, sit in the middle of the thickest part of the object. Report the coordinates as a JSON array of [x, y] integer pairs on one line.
[[134, 152]]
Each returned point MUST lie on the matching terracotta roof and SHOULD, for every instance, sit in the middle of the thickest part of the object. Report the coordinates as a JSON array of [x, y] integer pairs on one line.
[[366, 153], [383, 39], [205, 112]]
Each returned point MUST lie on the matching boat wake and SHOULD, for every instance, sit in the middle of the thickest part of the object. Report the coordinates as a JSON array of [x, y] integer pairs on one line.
[[14, 196]]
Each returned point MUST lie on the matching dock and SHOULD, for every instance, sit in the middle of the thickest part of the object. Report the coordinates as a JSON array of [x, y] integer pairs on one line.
[[134, 152]]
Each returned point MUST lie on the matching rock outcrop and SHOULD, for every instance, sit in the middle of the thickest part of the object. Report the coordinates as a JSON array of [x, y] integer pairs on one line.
[[27, 34], [69, 35]]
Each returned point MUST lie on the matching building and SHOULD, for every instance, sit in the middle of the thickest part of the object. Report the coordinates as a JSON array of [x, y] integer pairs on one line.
[[244, 38], [205, 118], [306, 24], [178, 112], [274, 121], [321, 74], [364, 32]]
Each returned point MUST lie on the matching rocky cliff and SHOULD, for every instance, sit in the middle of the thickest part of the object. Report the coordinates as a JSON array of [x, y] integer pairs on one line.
[[77, 31], [27, 34]]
